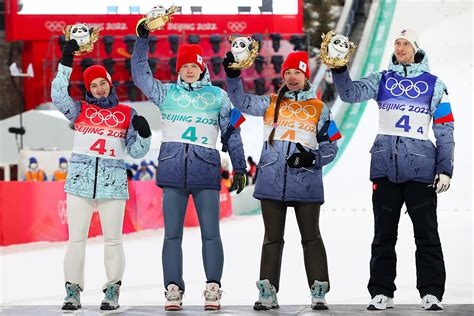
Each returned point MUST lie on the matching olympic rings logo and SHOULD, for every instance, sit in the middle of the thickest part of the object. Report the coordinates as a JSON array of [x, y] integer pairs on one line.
[[55, 26], [111, 119], [407, 87], [302, 113], [197, 100], [236, 26], [62, 211]]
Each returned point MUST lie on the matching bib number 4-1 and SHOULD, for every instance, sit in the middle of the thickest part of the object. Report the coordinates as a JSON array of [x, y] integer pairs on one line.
[[99, 146]]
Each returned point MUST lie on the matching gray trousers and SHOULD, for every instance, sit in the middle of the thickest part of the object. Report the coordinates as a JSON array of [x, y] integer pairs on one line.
[[207, 205]]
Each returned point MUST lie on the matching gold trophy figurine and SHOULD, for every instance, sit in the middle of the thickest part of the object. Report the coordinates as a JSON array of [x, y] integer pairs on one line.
[[158, 17], [245, 50], [336, 49], [84, 36]]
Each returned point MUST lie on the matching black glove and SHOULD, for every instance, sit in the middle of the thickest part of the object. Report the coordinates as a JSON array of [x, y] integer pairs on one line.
[[322, 135], [140, 124], [228, 59], [239, 182], [68, 52], [339, 70], [302, 159], [141, 28]]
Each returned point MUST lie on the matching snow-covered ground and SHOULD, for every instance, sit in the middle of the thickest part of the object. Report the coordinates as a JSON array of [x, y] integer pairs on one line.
[[32, 274]]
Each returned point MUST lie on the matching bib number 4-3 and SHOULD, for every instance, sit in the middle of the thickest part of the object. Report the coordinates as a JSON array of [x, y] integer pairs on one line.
[[404, 122], [99, 146]]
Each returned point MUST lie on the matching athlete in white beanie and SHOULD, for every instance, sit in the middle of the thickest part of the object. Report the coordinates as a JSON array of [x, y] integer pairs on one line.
[[411, 36], [406, 46]]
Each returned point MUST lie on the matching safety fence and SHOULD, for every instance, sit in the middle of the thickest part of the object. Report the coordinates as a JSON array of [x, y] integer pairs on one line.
[[37, 211]]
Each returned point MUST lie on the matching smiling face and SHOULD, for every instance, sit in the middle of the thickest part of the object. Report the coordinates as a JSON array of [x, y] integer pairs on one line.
[[99, 88], [294, 79], [404, 52], [190, 72]]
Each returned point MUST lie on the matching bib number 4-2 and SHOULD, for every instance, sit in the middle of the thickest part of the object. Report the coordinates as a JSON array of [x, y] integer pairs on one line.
[[190, 134], [99, 146]]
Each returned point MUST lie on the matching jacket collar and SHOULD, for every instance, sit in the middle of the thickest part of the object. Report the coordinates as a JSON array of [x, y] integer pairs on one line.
[[411, 70], [204, 80], [301, 95], [107, 102]]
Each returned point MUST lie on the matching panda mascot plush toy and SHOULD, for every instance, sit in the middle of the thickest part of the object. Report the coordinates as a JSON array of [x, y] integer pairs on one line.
[[339, 46], [241, 48]]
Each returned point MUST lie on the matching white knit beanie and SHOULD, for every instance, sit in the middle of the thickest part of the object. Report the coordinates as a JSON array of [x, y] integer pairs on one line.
[[411, 36]]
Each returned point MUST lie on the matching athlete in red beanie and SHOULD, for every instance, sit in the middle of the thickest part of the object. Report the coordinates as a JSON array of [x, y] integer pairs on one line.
[[296, 60], [94, 72], [189, 54]]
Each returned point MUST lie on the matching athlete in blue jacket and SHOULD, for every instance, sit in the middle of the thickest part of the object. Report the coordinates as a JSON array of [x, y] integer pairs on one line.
[[192, 113], [300, 138], [406, 167], [104, 132]]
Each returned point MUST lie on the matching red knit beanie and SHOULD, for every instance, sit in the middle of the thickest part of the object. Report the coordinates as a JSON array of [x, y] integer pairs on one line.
[[94, 72], [189, 53], [296, 60]]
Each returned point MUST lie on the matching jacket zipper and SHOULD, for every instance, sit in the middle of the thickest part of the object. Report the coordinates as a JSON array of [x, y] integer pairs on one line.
[[398, 137], [286, 171], [396, 160], [186, 165], [95, 177]]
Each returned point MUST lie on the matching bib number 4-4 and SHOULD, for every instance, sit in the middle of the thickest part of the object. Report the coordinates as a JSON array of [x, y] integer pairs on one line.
[[404, 123]]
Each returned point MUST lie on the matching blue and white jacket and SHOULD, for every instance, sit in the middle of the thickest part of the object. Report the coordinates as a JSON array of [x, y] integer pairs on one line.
[[400, 158], [275, 180], [182, 163], [88, 176]]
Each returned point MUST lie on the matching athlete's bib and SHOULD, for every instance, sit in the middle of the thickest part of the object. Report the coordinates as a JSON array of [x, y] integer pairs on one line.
[[101, 132], [297, 121], [191, 116], [404, 105]]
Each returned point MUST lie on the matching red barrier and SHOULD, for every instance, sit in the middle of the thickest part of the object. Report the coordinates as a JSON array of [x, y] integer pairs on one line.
[[32, 211]]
